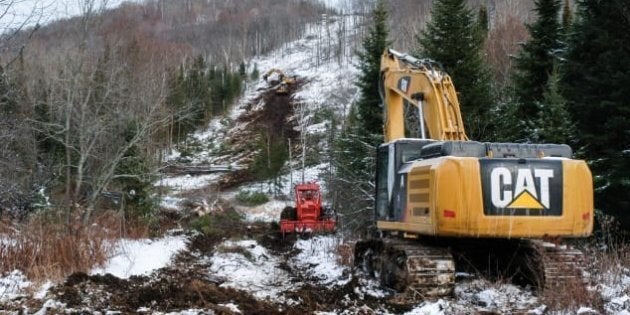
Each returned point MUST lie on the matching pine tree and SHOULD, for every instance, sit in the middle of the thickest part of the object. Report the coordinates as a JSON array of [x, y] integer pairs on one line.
[[255, 73], [353, 183], [596, 77], [369, 105], [454, 39], [242, 69], [554, 123], [535, 61]]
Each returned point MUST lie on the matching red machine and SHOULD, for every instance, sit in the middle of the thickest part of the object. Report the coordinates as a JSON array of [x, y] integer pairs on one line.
[[308, 215]]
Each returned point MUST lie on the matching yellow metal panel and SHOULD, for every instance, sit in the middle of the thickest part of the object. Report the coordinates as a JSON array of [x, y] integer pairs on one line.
[[578, 196], [456, 205]]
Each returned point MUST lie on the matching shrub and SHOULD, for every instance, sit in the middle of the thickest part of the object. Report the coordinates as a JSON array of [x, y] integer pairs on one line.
[[48, 249], [220, 224], [251, 199]]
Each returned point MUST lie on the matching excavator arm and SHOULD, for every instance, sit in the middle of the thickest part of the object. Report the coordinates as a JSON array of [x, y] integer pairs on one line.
[[423, 84]]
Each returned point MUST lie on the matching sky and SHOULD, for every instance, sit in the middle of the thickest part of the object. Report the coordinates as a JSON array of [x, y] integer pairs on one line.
[[15, 13]]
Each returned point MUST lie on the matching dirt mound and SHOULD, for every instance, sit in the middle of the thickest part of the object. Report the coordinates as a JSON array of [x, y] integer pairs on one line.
[[169, 289], [268, 124]]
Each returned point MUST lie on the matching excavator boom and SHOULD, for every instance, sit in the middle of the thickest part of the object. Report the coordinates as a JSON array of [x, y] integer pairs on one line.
[[419, 82]]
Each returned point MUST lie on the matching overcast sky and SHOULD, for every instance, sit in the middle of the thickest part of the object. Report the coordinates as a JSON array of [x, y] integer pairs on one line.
[[17, 12]]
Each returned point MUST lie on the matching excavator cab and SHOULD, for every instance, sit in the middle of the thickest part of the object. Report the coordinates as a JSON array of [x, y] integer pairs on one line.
[[391, 198]]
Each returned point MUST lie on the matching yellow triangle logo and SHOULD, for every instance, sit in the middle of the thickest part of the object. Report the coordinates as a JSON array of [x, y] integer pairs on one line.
[[525, 201]]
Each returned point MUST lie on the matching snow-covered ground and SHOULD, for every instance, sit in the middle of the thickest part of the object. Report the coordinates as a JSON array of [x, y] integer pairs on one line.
[[132, 257], [319, 259], [614, 287], [13, 285], [248, 266], [187, 182], [141, 257]]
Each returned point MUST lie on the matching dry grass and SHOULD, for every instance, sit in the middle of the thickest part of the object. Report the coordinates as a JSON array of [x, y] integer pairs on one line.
[[345, 254], [52, 251], [571, 296], [608, 263]]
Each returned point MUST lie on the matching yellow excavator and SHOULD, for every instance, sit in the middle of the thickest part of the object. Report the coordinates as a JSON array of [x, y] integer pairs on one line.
[[445, 203], [279, 80]]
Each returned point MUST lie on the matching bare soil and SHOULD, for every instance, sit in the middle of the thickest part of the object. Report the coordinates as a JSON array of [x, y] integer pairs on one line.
[[273, 120]]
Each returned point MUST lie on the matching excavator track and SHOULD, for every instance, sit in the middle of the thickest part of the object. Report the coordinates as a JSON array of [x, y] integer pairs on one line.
[[564, 267], [414, 271]]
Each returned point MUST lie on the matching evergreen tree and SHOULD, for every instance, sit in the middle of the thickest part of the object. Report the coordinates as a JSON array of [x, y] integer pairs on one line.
[[136, 180], [454, 39], [353, 184], [255, 73], [198, 91], [370, 110], [596, 77], [535, 62], [241, 69], [554, 123], [271, 157]]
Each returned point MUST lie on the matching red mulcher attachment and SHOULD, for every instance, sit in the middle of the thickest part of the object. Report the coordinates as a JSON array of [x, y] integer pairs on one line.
[[308, 215]]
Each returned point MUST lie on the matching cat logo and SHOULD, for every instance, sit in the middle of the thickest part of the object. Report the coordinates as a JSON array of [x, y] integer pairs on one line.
[[525, 194], [512, 188]]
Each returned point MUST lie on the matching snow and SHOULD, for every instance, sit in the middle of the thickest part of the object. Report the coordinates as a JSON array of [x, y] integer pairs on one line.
[[6, 241], [319, 259], [339, 5], [497, 297], [486, 297], [232, 307], [50, 305], [586, 310], [170, 202], [256, 272], [188, 182], [248, 266], [370, 287], [13, 285], [614, 288], [267, 212], [43, 290], [428, 308], [141, 257]]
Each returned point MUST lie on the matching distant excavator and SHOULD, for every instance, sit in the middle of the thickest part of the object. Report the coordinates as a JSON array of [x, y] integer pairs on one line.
[[278, 80], [443, 201]]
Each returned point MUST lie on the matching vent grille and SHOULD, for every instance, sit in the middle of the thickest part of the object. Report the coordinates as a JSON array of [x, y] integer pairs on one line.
[[419, 188]]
